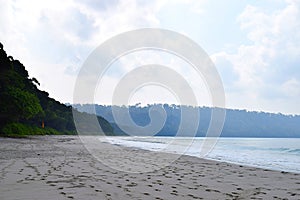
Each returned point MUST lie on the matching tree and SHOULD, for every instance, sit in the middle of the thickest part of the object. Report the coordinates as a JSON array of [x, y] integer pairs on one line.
[[20, 105]]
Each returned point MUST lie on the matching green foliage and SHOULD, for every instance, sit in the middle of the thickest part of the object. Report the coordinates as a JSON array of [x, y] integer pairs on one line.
[[18, 129], [85, 123], [22, 105], [24, 108]]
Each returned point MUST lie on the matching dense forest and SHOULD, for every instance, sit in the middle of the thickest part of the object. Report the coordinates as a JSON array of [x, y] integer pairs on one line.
[[24, 109], [238, 123]]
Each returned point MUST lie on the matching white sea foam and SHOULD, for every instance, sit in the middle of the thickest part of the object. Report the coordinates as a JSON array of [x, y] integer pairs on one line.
[[270, 153]]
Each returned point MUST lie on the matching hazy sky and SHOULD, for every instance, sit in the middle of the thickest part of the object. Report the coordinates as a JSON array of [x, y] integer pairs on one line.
[[255, 45]]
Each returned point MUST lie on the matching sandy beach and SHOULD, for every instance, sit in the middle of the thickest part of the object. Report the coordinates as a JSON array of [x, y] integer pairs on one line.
[[59, 167]]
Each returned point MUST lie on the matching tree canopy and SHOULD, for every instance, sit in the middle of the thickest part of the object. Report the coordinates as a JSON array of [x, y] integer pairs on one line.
[[24, 109]]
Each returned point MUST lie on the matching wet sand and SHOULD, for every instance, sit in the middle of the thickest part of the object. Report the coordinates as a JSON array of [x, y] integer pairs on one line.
[[59, 167]]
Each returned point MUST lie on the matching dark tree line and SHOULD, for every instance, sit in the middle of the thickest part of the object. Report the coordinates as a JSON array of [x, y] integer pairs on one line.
[[238, 123], [24, 109]]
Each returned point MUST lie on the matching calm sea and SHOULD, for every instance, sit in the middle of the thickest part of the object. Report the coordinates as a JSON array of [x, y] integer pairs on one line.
[[269, 153]]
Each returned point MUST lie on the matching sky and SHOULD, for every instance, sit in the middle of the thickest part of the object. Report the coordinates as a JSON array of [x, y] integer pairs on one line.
[[255, 46]]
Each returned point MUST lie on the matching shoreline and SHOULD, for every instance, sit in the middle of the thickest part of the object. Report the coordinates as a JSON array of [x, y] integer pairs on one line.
[[274, 166], [59, 167]]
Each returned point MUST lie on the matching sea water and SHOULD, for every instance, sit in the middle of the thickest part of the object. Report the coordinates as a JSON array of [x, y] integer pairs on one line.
[[281, 154]]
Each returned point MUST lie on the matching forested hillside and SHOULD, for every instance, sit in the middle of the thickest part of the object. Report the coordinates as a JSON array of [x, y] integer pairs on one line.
[[24, 109], [238, 123]]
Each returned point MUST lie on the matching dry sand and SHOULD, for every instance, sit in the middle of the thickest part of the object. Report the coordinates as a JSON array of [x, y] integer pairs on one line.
[[59, 167]]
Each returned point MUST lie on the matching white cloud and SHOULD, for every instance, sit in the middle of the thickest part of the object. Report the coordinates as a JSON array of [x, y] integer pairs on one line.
[[53, 38], [291, 88], [271, 60], [45, 35], [152, 94]]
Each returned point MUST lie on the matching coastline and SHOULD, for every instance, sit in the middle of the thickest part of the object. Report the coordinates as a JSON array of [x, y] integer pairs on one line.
[[59, 167]]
